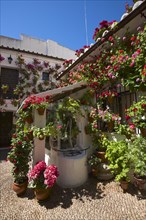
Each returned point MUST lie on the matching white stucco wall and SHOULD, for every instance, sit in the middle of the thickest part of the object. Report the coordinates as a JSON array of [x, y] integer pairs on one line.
[[49, 47]]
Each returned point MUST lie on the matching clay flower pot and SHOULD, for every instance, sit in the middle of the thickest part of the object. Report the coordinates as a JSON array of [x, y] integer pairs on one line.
[[42, 194], [124, 184], [20, 188], [41, 111], [29, 119]]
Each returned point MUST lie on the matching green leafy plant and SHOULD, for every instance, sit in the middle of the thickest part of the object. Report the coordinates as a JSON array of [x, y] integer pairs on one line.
[[125, 129], [138, 156], [5, 88], [119, 159], [40, 133], [101, 141]]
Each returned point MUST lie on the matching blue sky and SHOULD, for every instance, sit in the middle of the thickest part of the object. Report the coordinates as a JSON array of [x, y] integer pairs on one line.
[[61, 21]]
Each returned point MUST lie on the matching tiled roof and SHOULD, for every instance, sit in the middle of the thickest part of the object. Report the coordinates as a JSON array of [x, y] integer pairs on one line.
[[29, 52]]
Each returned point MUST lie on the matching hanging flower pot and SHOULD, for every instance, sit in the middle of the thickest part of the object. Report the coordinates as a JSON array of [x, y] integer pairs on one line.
[[41, 137], [30, 135], [29, 119], [41, 111]]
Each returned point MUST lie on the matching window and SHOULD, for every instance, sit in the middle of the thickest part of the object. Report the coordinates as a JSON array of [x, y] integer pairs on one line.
[[8, 77], [45, 76]]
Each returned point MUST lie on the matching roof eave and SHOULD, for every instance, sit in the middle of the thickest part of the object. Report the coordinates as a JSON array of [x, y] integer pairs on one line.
[[120, 25]]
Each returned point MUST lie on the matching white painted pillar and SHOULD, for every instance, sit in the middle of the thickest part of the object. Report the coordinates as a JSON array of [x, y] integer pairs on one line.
[[39, 145]]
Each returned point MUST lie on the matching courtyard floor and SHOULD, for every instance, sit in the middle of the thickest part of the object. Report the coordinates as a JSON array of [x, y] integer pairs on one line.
[[92, 201]]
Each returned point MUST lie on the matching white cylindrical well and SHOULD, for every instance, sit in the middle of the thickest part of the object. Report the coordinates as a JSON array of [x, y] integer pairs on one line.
[[73, 169]]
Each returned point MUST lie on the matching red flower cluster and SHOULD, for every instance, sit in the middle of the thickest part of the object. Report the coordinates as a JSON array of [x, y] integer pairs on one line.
[[82, 50], [35, 100], [106, 94], [67, 63], [104, 25]]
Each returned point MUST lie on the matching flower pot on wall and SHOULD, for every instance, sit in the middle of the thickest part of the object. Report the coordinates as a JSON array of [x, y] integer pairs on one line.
[[29, 119], [41, 111]]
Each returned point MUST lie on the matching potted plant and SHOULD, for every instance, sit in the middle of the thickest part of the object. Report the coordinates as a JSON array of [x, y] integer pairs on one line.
[[36, 102], [108, 117], [138, 156], [105, 26], [42, 178], [101, 142], [119, 160], [40, 133], [20, 156], [26, 115], [5, 88], [124, 129], [93, 162]]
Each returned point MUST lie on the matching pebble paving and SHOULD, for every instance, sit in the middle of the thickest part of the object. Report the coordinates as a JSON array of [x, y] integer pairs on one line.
[[92, 201]]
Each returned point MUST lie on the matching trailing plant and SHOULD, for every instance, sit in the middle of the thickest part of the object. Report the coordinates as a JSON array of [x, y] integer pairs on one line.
[[63, 124], [136, 114], [20, 154]]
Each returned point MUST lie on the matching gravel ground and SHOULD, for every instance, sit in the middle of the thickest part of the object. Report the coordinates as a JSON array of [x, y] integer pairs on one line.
[[92, 201]]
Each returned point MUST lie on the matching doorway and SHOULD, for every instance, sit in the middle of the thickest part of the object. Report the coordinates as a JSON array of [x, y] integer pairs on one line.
[[6, 125]]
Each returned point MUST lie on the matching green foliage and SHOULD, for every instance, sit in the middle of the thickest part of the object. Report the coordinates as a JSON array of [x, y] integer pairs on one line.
[[21, 149], [138, 155], [124, 129], [40, 133], [101, 141], [63, 122], [118, 154]]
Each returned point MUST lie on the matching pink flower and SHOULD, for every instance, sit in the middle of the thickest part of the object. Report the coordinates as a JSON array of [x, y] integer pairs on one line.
[[132, 126], [59, 126]]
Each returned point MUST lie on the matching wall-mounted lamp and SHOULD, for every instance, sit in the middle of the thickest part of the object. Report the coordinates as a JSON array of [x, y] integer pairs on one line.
[[10, 59]]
